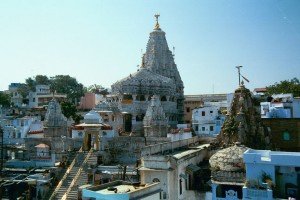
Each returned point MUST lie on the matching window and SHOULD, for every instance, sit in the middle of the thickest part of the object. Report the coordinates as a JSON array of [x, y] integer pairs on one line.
[[139, 117], [164, 195], [203, 113], [180, 186], [33, 99], [196, 128], [188, 109], [211, 111], [140, 97], [127, 97], [203, 128], [163, 98], [286, 136], [211, 128]]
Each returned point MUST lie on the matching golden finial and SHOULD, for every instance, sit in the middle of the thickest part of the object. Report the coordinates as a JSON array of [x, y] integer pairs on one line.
[[156, 27]]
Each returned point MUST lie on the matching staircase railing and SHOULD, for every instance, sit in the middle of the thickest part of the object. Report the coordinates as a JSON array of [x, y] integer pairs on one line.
[[77, 174], [64, 177]]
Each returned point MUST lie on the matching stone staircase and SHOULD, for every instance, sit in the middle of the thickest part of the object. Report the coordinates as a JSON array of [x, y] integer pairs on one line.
[[75, 176], [82, 179], [61, 174]]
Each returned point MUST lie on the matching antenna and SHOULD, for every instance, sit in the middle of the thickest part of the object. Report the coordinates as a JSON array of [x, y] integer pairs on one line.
[[240, 75]]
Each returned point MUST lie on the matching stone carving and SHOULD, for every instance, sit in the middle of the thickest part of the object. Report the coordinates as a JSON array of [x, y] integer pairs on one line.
[[243, 123], [155, 121], [55, 123]]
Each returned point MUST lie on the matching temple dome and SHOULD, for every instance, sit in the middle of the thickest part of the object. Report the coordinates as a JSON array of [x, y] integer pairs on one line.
[[92, 118], [145, 82], [229, 159]]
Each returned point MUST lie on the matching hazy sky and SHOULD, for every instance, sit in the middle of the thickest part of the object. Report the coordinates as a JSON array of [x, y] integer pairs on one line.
[[100, 42]]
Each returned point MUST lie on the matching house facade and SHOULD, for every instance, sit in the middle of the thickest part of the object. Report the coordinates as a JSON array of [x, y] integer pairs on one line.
[[271, 174]]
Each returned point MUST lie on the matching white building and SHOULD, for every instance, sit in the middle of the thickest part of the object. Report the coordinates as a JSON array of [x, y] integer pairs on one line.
[[181, 133], [266, 170], [16, 97], [176, 172], [16, 129], [207, 120], [42, 96], [282, 106]]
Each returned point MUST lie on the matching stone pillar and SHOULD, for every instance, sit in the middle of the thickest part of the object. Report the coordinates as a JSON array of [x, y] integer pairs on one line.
[[146, 97], [214, 191], [168, 98], [85, 141], [270, 194], [134, 97], [97, 141], [245, 195]]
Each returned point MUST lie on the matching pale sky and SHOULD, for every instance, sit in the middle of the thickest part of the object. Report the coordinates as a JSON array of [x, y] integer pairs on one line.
[[100, 41]]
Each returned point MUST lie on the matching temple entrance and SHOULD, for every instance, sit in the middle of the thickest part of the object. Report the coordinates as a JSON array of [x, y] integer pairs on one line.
[[128, 122], [89, 141]]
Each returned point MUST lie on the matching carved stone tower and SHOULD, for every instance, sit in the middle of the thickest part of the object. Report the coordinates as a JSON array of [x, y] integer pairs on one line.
[[159, 59], [55, 124], [155, 122], [243, 123]]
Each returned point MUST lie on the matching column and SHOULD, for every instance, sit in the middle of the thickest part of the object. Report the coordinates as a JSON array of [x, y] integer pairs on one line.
[[214, 191]]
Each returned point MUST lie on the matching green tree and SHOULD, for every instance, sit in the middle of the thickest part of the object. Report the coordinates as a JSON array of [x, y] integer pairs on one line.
[[4, 99], [67, 85], [42, 80], [286, 86], [97, 89], [30, 83], [70, 110]]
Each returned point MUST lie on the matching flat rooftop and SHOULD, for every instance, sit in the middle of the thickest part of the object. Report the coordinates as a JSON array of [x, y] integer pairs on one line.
[[119, 187]]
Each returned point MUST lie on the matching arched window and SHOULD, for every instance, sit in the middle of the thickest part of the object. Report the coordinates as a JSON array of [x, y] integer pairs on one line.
[[163, 98], [140, 98], [127, 97]]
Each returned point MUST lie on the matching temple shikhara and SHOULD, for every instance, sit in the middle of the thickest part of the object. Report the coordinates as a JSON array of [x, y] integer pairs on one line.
[[158, 75]]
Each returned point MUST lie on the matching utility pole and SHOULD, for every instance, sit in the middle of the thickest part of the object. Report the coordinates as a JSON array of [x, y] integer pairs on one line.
[[239, 72]]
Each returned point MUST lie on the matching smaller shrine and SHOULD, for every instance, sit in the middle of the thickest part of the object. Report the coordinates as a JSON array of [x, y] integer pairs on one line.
[[155, 121], [55, 124], [241, 130], [92, 127], [228, 172]]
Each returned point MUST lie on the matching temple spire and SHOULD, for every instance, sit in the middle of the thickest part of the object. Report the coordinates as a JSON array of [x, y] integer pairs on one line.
[[156, 27]]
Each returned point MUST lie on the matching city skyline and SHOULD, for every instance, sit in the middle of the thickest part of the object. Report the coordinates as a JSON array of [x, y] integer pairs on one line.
[[100, 42]]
